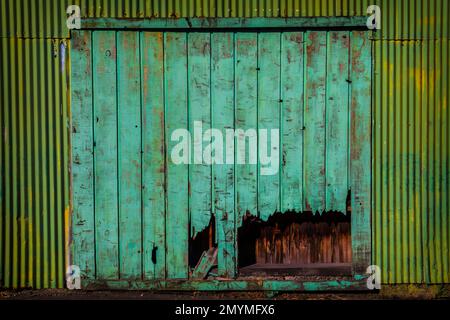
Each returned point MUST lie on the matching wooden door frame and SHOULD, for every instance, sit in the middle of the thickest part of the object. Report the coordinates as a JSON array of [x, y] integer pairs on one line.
[[360, 153]]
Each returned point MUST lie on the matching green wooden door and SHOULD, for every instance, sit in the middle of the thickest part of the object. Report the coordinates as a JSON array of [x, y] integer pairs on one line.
[[145, 103]]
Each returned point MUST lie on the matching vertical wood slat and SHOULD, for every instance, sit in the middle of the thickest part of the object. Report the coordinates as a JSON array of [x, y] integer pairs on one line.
[[315, 104], [177, 214], [129, 156], [222, 104], [105, 154], [360, 139], [153, 161], [199, 122], [246, 120], [337, 97], [268, 118], [291, 180], [83, 238]]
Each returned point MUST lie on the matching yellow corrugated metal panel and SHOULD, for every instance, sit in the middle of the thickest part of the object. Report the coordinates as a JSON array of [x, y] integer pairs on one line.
[[411, 161], [34, 162], [401, 19]]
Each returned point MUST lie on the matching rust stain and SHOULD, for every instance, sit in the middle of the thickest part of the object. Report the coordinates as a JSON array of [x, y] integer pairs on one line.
[[289, 56], [113, 52], [82, 46], [346, 41], [355, 152], [310, 50], [161, 127], [356, 64], [297, 37], [342, 68]]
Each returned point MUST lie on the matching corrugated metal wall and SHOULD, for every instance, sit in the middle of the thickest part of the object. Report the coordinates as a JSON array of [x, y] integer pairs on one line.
[[410, 150], [410, 215], [34, 162], [401, 19]]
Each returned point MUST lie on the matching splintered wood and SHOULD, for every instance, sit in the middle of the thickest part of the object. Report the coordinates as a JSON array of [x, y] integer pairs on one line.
[[306, 242]]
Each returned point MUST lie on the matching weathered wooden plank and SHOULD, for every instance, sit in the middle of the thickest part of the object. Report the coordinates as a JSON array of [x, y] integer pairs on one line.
[[358, 283], [224, 22], [292, 59], [222, 106], [269, 104], [177, 214], [129, 154], [314, 157], [337, 121], [199, 122], [105, 155], [360, 154], [246, 123], [153, 157], [83, 238], [205, 263]]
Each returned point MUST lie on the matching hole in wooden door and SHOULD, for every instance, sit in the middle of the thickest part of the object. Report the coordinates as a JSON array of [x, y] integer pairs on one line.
[[202, 242], [293, 243]]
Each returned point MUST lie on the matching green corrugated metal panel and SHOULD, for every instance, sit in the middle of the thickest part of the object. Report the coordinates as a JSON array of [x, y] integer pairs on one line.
[[411, 217], [401, 19], [34, 162]]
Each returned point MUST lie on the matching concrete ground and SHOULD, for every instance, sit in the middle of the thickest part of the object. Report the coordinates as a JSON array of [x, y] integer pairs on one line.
[[404, 292]]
